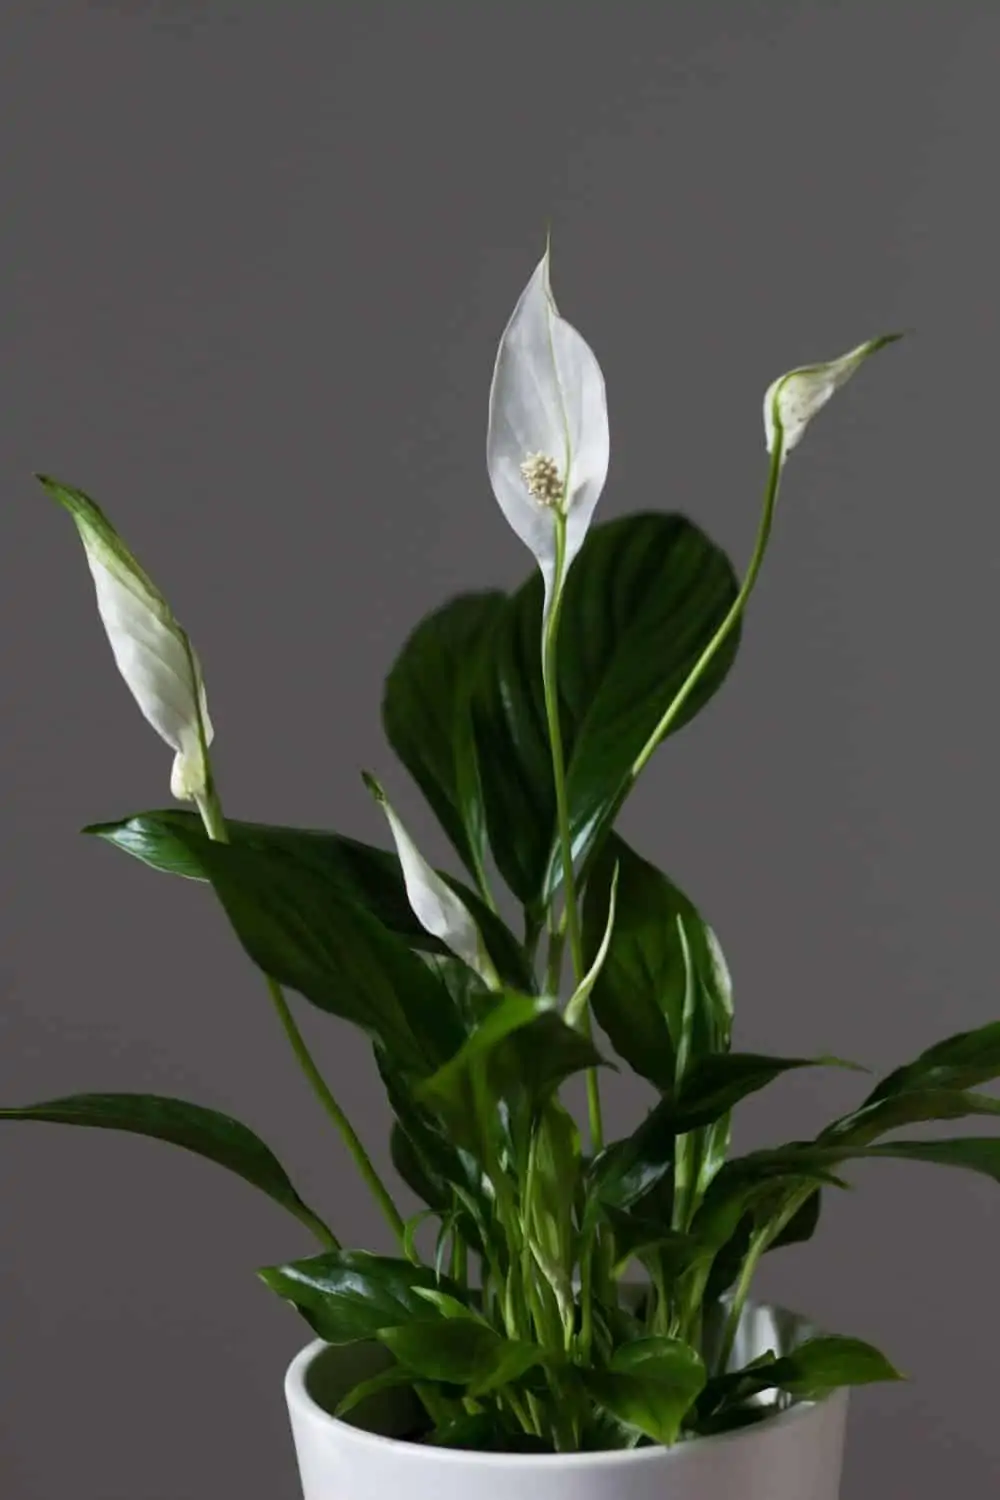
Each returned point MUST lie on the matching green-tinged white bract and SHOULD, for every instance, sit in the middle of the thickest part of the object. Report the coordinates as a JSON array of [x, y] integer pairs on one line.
[[435, 905], [793, 399], [547, 443], [151, 651]]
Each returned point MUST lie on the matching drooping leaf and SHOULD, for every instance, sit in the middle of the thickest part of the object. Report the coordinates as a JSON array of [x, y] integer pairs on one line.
[[745, 1180], [642, 600], [425, 713], [639, 995], [173, 841], [650, 1385], [206, 1132], [718, 1081], [349, 1295], [459, 1351], [960, 1062], [912, 1106], [298, 925]]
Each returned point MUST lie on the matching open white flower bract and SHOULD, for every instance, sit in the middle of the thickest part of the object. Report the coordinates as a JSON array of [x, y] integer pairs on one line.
[[435, 905], [547, 444], [151, 651], [793, 399]]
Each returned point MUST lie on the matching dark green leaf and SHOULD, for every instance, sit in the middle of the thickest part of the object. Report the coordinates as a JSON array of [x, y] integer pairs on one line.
[[460, 1351], [816, 1367], [385, 1380], [650, 1385], [347, 1295], [716, 1082], [960, 1062], [425, 712], [823, 1364], [523, 1047], [635, 1234], [642, 600], [639, 997], [298, 925], [204, 1131], [908, 1107], [729, 1260], [486, 1432], [744, 1180], [173, 841]]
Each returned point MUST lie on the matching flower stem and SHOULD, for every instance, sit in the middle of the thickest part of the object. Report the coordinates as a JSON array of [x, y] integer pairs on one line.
[[215, 826], [735, 610], [550, 637], [323, 1093]]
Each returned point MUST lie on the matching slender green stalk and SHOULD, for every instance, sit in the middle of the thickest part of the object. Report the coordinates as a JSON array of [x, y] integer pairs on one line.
[[736, 609], [757, 1247], [550, 639], [322, 1091], [215, 826]]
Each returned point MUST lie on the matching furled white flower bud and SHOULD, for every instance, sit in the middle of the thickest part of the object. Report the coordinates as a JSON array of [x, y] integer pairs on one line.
[[151, 651], [547, 443], [794, 399], [435, 905]]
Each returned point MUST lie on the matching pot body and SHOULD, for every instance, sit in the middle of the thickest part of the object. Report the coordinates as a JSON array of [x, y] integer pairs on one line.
[[794, 1455]]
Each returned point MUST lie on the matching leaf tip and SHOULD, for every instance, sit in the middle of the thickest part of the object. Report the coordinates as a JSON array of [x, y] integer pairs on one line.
[[374, 787]]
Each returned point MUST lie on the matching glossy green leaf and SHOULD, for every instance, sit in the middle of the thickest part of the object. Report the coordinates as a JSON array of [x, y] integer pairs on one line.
[[636, 1234], [639, 996], [718, 1081], [426, 715], [553, 1178], [298, 925], [650, 1385], [173, 841], [710, 1088], [642, 600], [911, 1106], [460, 1351], [206, 1132], [815, 1368], [347, 1295], [385, 1380], [959, 1062], [728, 1261], [522, 1048], [747, 1180]]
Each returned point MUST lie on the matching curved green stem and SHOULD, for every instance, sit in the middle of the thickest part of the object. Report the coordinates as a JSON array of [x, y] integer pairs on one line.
[[215, 826], [550, 638], [735, 610], [322, 1091]]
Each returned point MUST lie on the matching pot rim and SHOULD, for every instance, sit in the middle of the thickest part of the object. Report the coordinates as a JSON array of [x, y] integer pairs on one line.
[[299, 1399]]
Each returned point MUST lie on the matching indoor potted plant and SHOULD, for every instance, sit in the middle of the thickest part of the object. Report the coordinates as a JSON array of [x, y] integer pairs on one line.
[[567, 1317]]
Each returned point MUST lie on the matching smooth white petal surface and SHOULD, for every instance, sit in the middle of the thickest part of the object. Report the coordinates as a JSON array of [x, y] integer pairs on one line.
[[547, 397], [150, 649], [793, 400], [435, 905]]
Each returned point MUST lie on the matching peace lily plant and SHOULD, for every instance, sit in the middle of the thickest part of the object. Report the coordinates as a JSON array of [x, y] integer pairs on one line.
[[510, 1307]]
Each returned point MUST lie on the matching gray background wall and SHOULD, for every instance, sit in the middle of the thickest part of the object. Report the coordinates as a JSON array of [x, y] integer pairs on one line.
[[255, 261]]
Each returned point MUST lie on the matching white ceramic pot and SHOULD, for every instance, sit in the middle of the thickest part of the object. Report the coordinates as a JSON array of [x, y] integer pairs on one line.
[[794, 1455]]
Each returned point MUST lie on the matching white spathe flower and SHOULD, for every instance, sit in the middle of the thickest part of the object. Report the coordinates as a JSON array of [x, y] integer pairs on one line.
[[435, 905], [794, 399], [151, 651], [547, 444]]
